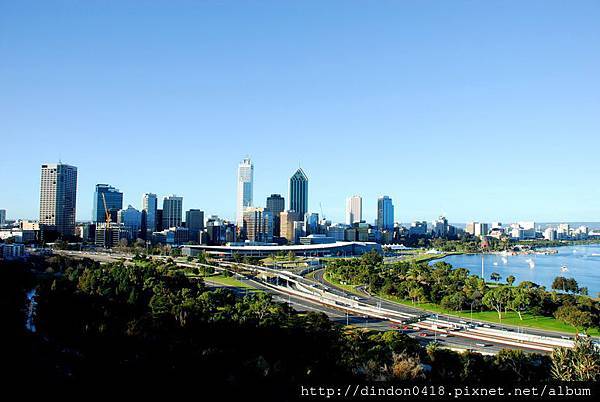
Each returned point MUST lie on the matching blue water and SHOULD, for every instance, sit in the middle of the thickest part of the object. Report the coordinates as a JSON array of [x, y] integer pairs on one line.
[[582, 266]]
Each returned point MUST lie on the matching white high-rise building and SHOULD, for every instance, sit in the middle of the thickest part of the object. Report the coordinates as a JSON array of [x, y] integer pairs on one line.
[[245, 182], [353, 209], [58, 195]]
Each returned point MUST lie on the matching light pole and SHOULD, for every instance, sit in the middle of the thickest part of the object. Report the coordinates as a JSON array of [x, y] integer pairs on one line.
[[471, 313]]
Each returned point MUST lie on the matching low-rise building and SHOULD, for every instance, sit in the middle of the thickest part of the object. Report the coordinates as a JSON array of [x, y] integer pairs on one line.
[[12, 251]]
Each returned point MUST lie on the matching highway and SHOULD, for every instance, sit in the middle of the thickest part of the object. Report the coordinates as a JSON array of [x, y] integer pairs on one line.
[[372, 312]]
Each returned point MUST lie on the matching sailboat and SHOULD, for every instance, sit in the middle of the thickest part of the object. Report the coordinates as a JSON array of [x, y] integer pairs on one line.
[[531, 263], [564, 268]]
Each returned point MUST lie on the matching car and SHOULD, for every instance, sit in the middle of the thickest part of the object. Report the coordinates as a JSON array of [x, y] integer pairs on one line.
[[423, 334], [566, 337], [462, 322], [405, 327], [484, 345], [444, 335], [486, 326]]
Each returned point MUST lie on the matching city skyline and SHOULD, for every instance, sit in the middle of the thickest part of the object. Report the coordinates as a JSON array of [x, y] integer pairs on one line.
[[368, 216], [473, 111]]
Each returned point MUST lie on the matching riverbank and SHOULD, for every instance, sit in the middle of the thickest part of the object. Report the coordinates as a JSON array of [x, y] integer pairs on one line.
[[510, 318]]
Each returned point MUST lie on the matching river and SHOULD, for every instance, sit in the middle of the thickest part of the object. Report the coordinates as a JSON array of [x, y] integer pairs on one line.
[[581, 262]]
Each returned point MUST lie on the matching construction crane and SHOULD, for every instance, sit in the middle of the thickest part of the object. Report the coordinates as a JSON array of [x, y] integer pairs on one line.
[[322, 214], [107, 227], [106, 212]]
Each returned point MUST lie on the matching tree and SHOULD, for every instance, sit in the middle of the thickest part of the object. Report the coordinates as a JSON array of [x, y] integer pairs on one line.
[[510, 279], [519, 300], [407, 367], [416, 294], [564, 284], [574, 317], [497, 299], [582, 363], [495, 276]]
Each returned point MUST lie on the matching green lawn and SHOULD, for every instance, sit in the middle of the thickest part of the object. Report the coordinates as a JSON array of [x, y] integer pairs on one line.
[[510, 318], [229, 281], [348, 288]]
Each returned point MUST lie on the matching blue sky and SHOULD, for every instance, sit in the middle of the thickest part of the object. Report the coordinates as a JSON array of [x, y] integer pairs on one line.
[[481, 110]]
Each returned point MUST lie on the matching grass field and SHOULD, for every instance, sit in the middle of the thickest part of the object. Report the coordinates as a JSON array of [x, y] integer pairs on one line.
[[230, 281], [348, 288], [510, 318]]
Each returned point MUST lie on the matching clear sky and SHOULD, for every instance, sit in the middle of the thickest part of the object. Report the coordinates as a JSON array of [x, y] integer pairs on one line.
[[481, 110]]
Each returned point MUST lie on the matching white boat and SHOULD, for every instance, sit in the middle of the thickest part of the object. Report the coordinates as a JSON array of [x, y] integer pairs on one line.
[[495, 263], [504, 260], [531, 263], [564, 269], [595, 254]]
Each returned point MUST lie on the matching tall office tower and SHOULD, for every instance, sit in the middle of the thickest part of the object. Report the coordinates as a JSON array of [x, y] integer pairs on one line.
[[299, 192], [131, 219], [245, 182], [276, 204], [159, 220], [2, 216], [172, 212], [440, 227], [258, 224], [385, 213], [114, 203], [58, 196], [481, 229], [470, 228], [194, 221], [149, 207], [353, 209], [286, 225], [311, 223]]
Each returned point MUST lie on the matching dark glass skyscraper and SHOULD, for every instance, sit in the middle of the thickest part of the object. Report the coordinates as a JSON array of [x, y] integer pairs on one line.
[[114, 202], [276, 204], [172, 211], [299, 192], [194, 221]]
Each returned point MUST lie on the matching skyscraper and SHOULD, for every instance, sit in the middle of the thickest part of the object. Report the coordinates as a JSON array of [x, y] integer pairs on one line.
[[149, 206], [299, 192], [2, 216], [245, 182], [353, 209], [276, 204], [286, 224], [172, 211], [114, 202], [194, 221], [385, 213], [258, 224], [131, 219], [58, 196]]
